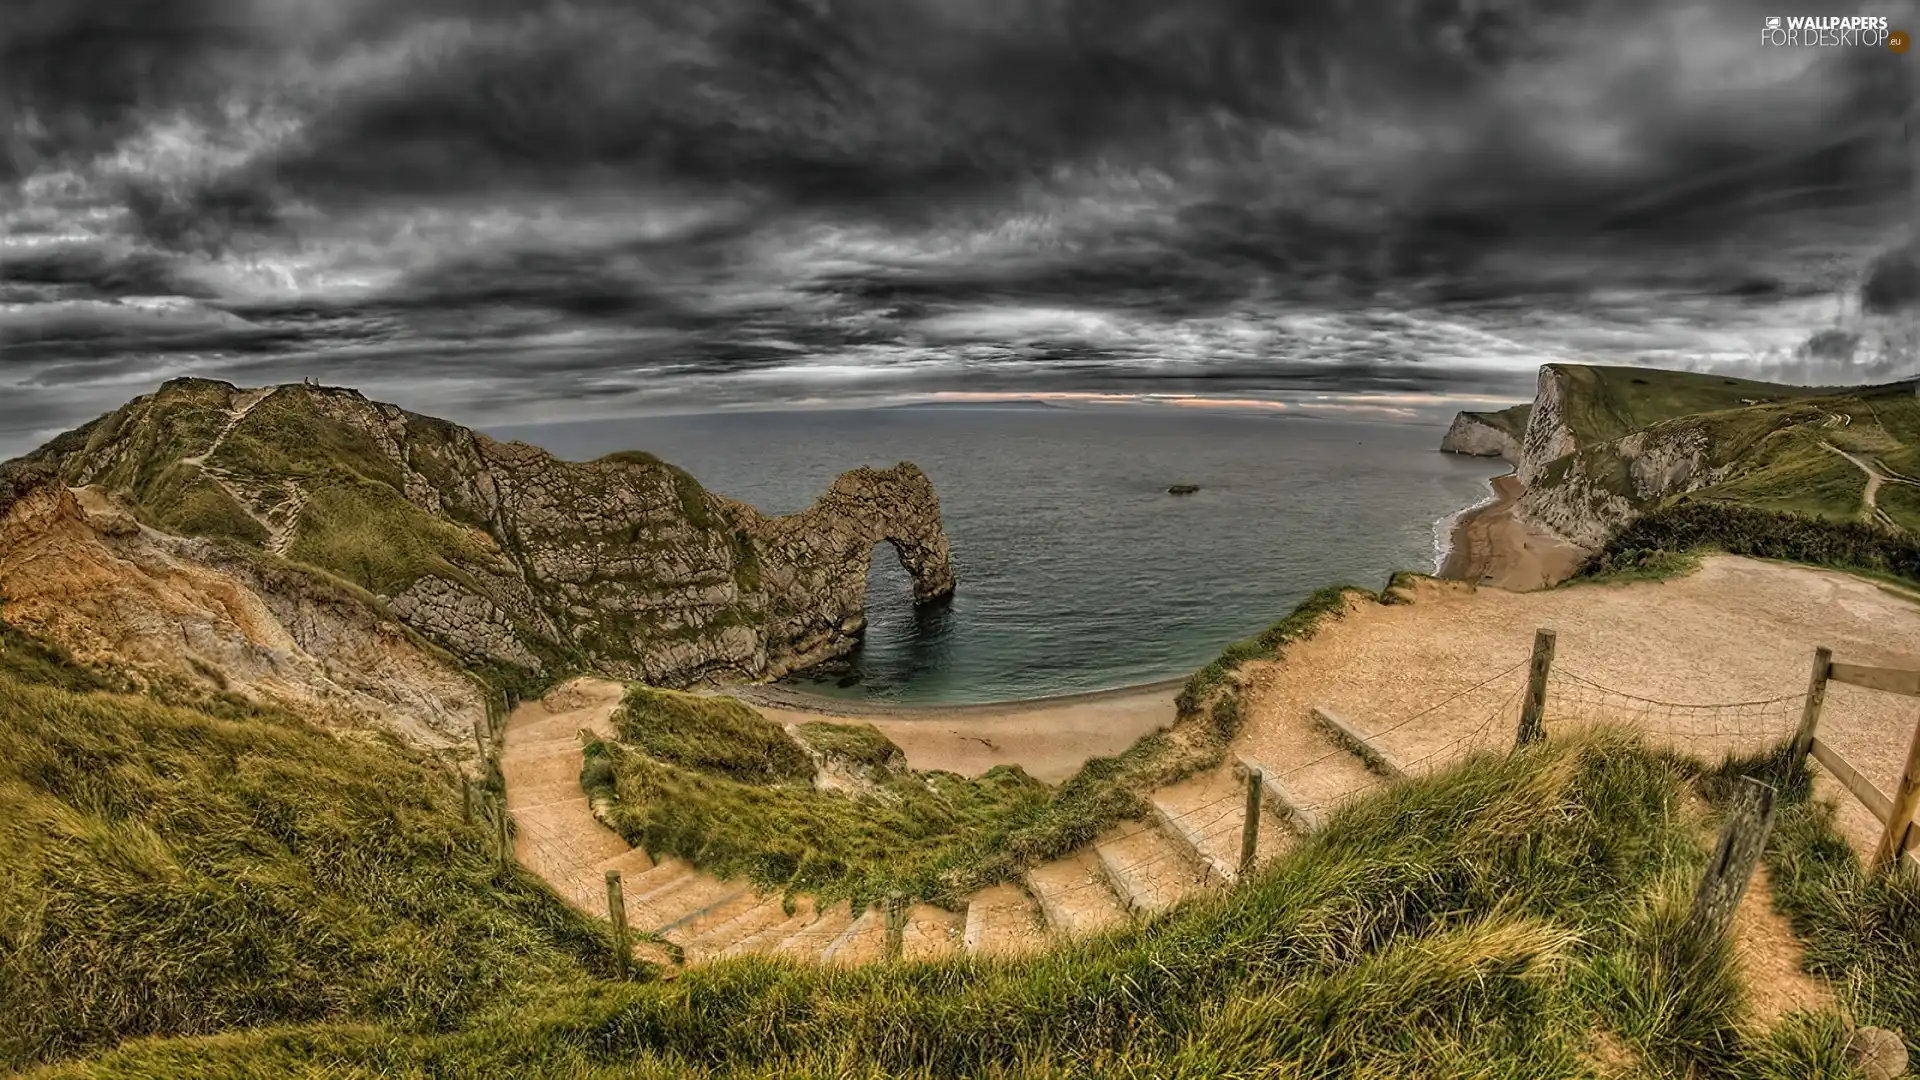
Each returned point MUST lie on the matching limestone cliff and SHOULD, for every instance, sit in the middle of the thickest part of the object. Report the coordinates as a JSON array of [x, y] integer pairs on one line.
[[1602, 445], [1487, 434], [511, 558]]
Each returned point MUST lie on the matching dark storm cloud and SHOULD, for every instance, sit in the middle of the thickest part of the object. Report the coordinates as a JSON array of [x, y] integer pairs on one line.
[[58, 272], [601, 201], [76, 73]]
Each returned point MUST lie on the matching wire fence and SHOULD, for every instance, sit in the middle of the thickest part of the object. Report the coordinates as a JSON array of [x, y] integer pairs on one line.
[[1703, 729]]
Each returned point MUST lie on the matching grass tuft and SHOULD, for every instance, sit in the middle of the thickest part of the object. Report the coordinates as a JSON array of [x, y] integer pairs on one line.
[[718, 735]]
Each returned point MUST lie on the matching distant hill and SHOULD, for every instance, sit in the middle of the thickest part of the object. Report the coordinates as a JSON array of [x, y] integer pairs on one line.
[[1604, 445]]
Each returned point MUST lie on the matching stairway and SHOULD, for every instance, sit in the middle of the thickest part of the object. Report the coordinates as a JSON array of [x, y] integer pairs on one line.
[[1189, 842]]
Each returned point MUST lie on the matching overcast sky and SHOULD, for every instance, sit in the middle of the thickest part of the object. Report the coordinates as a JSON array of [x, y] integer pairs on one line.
[[517, 210]]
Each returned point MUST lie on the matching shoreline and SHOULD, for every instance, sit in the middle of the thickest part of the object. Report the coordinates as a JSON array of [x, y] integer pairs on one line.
[[1050, 738], [1448, 535], [1491, 544], [772, 695]]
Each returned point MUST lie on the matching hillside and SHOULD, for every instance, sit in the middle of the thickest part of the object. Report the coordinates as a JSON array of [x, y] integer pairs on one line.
[[517, 563], [177, 863], [1605, 445]]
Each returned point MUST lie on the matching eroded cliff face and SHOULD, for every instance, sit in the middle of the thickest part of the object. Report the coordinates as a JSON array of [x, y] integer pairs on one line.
[[1472, 434], [1548, 437], [77, 570], [1584, 493], [502, 553]]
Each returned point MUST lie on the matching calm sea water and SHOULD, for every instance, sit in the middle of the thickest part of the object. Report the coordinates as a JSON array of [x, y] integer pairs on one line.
[[1077, 571]]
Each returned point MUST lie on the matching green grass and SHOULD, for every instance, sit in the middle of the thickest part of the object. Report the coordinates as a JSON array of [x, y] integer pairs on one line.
[[918, 833], [1511, 420], [1603, 403], [861, 744], [369, 534], [1692, 526], [717, 735], [212, 865], [1862, 931], [1495, 921], [1628, 565]]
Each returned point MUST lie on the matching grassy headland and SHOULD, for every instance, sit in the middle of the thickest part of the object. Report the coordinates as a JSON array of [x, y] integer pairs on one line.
[[1516, 916], [211, 865]]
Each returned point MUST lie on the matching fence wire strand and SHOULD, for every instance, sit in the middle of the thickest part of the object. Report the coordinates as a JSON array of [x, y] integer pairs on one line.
[[1699, 728]]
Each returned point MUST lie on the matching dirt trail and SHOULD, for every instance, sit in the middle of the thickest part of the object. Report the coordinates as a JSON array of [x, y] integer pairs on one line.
[[1869, 498], [1736, 630]]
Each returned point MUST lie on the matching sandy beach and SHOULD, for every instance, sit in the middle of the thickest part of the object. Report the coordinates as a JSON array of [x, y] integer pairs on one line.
[[1048, 737], [1491, 545]]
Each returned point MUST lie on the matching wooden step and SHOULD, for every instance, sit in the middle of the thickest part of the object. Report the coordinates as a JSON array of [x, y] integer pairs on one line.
[[693, 896], [717, 938], [1193, 834], [631, 863], [930, 932], [694, 923], [664, 872], [1002, 921], [864, 940], [1074, 895], [812, 939], [768, 938], [1364, 746], [1147, 869], [1277, 797]]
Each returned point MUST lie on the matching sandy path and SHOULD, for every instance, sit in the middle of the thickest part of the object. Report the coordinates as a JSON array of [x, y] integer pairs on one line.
[[1050, 737], [557, 836], [1870, 498], [1736, 630], [1492, 546]]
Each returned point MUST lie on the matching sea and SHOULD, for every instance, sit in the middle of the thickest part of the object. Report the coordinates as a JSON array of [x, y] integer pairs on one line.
[[1077, 570]]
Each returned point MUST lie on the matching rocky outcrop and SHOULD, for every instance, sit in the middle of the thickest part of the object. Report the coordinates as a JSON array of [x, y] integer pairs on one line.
[[1478, 435], [502, 553], [1583, 493], [1548, 437], [76, 569]]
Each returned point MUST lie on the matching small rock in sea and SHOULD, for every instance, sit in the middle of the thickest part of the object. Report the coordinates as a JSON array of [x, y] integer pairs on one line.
[[1183, 489], [1879, 1054]]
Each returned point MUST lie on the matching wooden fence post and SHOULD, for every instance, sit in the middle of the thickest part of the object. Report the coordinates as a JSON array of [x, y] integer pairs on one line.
[[1810, 712], [1906, 799], [896, 925], [480, 738], [1250, 829], [1533, 709], [1742, 840], [617, 914]]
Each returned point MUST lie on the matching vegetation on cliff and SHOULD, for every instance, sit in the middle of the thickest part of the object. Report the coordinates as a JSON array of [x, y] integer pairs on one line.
[[210, 865], [718, 735], [523, 565], [1515, 916], [1694, 525], [1602, 403]]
